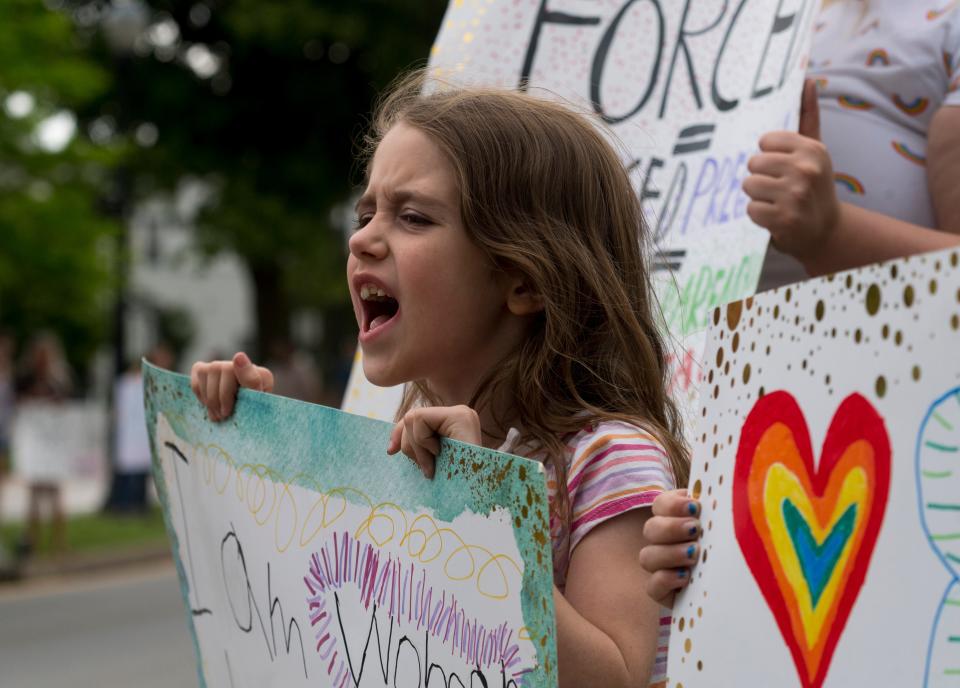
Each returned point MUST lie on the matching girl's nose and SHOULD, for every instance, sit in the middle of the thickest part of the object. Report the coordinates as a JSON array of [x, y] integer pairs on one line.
[[369, 241]]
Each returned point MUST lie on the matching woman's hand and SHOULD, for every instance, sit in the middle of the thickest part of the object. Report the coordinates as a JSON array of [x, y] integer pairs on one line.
[[671, 533], [418, 433], [791, 185], [216, 382]]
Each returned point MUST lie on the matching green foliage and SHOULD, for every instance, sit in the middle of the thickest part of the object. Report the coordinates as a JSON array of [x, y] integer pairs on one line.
[[54, 271], [274, 129]]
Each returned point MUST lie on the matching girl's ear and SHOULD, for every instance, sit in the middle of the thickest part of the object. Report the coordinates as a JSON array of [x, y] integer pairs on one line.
[[521, 297]]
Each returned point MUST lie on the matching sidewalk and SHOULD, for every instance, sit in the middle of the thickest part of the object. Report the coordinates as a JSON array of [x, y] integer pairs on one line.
[[82, 499]]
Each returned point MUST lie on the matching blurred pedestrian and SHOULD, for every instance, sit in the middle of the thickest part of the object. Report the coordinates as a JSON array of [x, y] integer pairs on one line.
[[7, 563], [128, 494], [43, 381], [872, 173]]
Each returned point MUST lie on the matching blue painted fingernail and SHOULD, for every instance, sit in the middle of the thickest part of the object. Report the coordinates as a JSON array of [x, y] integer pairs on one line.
[[681, 573], [691, 550], [692, 508], [693, 530]]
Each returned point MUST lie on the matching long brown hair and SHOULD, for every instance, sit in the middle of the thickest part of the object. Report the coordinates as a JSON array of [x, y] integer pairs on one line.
[[543, 193]]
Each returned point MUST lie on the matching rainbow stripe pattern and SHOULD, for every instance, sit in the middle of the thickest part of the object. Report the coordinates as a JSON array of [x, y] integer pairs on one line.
[[933, 15], [904, 152], [849, 182], [808, 533], [913, 107], [878, 56], [851, 103]]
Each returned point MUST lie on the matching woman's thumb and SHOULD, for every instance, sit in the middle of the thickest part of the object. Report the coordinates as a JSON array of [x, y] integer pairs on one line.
[[809, 111]]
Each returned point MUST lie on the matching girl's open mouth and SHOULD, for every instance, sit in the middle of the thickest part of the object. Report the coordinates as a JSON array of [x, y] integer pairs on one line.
[[379, 307]]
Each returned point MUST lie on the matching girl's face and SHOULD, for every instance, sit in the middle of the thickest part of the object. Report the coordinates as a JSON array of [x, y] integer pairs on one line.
[[428, 302]]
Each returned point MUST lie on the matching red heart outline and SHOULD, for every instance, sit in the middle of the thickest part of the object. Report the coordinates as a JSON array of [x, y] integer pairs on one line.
[[855, 419]]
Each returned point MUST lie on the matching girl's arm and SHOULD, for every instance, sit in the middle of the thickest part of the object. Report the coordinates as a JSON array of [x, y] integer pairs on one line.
[[607, 626], [793, 195]]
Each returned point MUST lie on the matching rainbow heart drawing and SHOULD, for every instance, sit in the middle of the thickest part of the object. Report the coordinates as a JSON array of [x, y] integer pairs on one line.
[[808, 532]]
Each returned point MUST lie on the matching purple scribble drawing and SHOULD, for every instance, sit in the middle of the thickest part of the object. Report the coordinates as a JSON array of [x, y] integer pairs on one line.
[[403, 592]]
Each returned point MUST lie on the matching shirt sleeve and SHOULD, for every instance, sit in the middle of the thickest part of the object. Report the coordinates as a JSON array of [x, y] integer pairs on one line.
[[615, 467], [951, 59]]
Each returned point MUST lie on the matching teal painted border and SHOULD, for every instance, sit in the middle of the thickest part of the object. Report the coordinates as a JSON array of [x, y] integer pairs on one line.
[[323, 448]]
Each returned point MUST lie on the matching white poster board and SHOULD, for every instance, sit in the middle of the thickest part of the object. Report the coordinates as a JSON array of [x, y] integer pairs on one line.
[[309, 557], [827, 460]]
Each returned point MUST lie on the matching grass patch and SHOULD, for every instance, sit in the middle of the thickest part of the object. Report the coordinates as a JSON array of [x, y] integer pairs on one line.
[[97, 532]]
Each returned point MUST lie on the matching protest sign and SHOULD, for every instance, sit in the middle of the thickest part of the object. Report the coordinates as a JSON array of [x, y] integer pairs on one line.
[[309, 557], [826, 462], [58, 441], [684, 88]]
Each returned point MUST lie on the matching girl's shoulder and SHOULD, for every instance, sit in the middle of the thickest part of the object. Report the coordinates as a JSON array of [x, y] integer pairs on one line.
[[613, 443]]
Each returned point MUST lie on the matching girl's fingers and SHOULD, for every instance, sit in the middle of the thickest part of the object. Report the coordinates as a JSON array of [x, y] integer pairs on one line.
[[670, 530], [396, 435], [198, 381], [662, 585], [660, 557], [212, 393], [675, 503], [252, 376], [266, 379], [228, 391]]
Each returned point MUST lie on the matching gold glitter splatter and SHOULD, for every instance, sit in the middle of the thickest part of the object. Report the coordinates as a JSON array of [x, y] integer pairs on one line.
[[932, 286], [908, 295], [746, 373], [873, 299], [898, 338], [687, 645], [857, 335], [819, 310], [697, 486], [885, 332], [719, 357], [683, 622], [787, 294], [699, 665], [881, 386], [734, 311], [955, 321], [915, 373], [735, 344]]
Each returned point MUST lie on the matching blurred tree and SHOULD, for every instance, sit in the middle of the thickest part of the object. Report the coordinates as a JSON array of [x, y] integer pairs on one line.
[[54, 262], [264, 101]]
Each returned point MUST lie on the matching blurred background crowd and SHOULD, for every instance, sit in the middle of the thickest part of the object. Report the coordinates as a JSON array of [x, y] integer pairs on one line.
[[165, 193]]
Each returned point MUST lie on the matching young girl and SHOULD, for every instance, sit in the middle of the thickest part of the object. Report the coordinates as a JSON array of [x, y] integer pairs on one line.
[[496, 267]]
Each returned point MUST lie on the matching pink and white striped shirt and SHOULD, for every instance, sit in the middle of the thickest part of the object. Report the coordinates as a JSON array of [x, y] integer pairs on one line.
[[612, 468]]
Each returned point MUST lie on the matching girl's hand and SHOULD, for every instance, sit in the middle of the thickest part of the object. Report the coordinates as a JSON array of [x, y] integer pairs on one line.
[[672, 532], [791, 185], [418, 433], [216, 383]]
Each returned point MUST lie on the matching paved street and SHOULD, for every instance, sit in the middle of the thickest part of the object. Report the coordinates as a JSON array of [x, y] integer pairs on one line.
[[104, 632]]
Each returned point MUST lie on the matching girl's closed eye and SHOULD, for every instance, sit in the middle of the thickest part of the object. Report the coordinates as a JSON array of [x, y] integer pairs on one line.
[[361, 220], [415, 219]]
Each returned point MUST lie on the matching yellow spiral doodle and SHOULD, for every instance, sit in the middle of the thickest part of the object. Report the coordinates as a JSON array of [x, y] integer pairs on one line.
[[268, 496]]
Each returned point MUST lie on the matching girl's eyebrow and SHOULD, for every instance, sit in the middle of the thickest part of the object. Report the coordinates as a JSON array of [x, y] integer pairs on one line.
[[399, 197]]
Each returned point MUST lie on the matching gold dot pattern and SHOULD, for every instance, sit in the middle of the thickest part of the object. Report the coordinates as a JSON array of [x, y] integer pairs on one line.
[[880, 317]]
